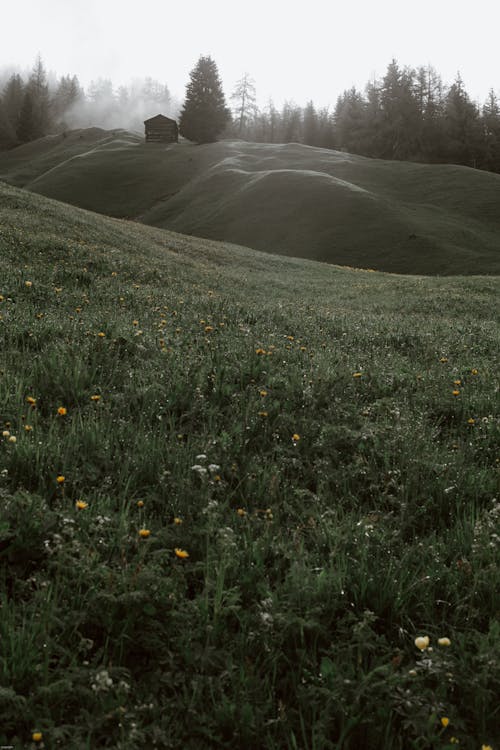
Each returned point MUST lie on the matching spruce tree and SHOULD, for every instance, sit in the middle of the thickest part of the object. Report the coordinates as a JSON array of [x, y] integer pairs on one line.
[[204, 114]]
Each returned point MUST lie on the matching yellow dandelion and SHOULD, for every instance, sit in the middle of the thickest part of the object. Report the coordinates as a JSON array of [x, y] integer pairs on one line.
[[28, 284], [28, 428], [181, 553], [474, 371], [144, 533], [456, 393], [263, 393], [60, 479], [62, 411], [295, 437], [262, 413], [486, 747], [260, 351], [356, 374], [443, 360], [422, 642], [290, 338], [95, 397], [81, 505], [12, 439], [177, 521], [445, 721], [101, 335], [6, 434], [31, 401], [140, 503], [37, 736], [444, 642], [457, 382], [241, 512], [208, 329], [471, 420], [135, 322]]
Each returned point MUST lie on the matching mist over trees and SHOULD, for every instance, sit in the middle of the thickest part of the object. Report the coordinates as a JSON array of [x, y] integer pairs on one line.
[[408, 114]]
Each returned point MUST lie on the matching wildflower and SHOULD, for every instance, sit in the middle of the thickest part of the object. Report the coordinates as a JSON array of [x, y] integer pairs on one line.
[[28, 428], [475, 372], [95, 397], [62, 411], [457, 382], [101, 335], [177, 521], [144, 533], [263, 393], [208, 329], [260, 351], [454, 741], [443, 360], [135, 322], [422, 642], [262, 413], [444, 642], [5, 434], [28, 284], [81, 505], [60, 479], [412, 672], [140, 503], [295, 437], [456, 393], [12, 439], [30, 400], [486, 747], [37, 736], [241, 512], [356, 374], [290, 338], [181, 553], [471, 420], [445, 721]]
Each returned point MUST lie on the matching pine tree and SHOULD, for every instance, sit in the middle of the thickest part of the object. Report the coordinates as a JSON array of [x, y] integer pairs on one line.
[[204, 114], [13, 97]]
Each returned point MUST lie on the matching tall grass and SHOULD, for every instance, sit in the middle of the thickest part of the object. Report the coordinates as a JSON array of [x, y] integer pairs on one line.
[[313, 452]]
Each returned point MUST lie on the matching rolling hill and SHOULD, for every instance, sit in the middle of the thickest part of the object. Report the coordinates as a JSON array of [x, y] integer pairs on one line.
[[289, 199]]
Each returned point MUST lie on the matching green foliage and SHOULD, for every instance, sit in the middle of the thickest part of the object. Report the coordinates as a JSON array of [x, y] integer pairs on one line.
[[204, 114], [292, 427]]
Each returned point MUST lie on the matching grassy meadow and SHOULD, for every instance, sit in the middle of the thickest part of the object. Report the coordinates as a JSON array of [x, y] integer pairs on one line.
[[246, 501], [290, 199]]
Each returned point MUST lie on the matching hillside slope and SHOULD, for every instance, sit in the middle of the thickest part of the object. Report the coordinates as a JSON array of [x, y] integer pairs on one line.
[[291, 199], [240, 494]]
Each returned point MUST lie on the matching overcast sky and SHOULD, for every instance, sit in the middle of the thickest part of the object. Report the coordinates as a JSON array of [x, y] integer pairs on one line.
[[312, 49]]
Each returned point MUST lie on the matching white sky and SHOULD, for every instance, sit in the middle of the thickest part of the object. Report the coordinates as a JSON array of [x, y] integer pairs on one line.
[[313, 49]]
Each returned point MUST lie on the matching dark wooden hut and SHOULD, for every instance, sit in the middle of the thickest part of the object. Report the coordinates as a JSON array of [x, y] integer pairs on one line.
[[161, 129]]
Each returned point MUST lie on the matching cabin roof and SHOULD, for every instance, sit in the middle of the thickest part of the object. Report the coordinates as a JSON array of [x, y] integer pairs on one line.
[[157, 119]]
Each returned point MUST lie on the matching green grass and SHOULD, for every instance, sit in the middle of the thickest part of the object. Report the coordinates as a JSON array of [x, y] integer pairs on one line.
[[314, 562], [282, 198]]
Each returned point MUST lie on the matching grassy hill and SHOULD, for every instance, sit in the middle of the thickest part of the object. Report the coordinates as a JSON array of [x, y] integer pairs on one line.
[[238, 492], [289, 199]]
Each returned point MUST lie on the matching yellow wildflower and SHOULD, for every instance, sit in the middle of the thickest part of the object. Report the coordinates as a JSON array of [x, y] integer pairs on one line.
[[101, 335], [456, 393], [445, 721], [30, 400], [60, 479], [486, 747], [81, 505], [262, 393], [144, 533], [181, 553], [135, 322], [260, 351], [12, 439], [444, 642], [5, 434], [140, 503], [28, 284], [241, 512], [471, 420], [262, 413], [28, 428], [96, 397], [295, 437], [422, 642], [457, 382], [356, 374], [208, 329], [444, 359], [37, 736], [177, 521], [474, 371], [62, 411]]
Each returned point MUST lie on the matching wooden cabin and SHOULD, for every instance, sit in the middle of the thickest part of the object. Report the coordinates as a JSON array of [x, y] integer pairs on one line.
[[161, 129]]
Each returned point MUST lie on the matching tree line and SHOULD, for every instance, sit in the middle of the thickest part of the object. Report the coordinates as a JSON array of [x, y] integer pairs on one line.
[[408, 114]]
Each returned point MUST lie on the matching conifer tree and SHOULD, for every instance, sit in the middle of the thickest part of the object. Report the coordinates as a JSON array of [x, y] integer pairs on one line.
[[204, 114]]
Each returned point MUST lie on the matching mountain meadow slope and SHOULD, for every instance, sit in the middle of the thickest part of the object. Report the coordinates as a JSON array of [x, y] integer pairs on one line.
[[289, 199], [245, 500]]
